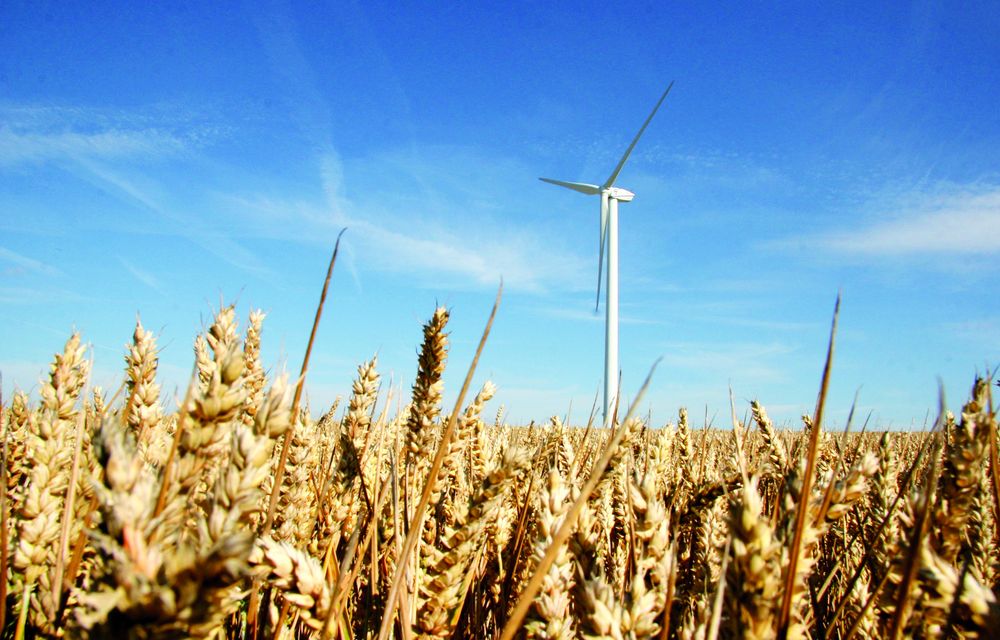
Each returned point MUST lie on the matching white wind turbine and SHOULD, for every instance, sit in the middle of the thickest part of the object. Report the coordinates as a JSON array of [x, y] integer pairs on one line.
[[610, 197]]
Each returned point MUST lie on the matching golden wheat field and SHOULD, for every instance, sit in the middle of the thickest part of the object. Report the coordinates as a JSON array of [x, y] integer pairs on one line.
[[239, 516]]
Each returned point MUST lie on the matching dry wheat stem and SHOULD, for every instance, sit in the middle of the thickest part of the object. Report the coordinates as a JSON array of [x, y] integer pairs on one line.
[[411, 539]]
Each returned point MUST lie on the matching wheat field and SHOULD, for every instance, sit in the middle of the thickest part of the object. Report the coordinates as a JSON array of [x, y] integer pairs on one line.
[[240, 516]]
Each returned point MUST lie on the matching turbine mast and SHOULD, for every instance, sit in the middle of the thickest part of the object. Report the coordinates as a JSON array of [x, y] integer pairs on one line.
[[611, 319]]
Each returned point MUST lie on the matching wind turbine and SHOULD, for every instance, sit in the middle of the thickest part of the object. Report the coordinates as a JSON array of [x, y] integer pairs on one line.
[[610, 197]]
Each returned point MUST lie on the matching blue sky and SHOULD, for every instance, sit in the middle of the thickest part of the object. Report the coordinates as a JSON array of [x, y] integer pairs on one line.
[[158, 161]]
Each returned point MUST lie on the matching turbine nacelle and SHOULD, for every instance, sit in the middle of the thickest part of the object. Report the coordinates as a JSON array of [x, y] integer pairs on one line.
[[619, 194]]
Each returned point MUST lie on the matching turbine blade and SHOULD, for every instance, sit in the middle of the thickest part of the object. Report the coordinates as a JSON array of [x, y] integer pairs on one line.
[[604, 235], [582, 187], [628, 152]]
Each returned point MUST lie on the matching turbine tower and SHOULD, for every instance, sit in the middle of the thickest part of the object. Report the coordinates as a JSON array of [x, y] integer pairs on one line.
[[610, 197]]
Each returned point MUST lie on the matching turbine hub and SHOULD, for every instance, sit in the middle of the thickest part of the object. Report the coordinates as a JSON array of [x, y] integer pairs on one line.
[[621, 195]]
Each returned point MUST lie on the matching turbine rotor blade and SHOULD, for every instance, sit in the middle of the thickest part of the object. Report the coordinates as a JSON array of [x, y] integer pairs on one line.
[[604, 235], [628, 152], [582, 187]]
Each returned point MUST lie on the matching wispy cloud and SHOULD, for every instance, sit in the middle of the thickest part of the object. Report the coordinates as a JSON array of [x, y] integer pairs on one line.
[[107, 149], [984, 332], [117, 184], [428, 213], [468, 258], [750, 361], [30, 295], [953, 220], [581, 313], [17, 147], [461, 241], [33, 134], [478, 249], [197, 230], [142, 276], [758, 323], [19, 264]]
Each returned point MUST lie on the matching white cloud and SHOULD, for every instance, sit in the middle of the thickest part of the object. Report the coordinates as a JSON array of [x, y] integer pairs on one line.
[[148, 194], [20, 264], [103, 147], [442, 215], [18, 147], [522, 262], [956, 221], [581, 313], [142, 276], [758, 323], [34, 295], [117, 184], [984, 332], [34, 134], [734, 362], [457, 242]]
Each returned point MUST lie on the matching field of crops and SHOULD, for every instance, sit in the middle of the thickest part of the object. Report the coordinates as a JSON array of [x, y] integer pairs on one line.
[[239, 516]]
